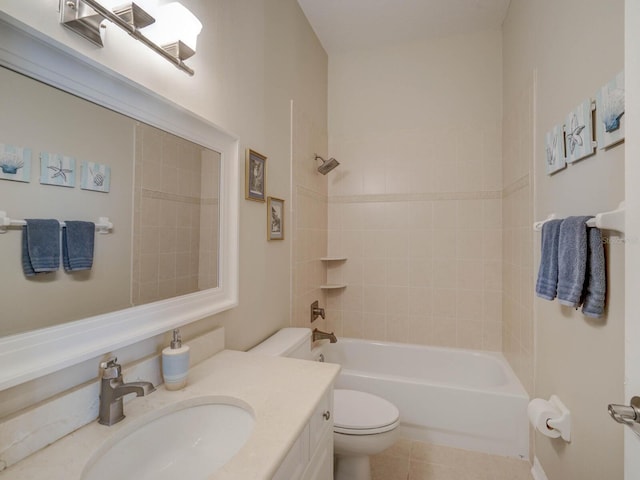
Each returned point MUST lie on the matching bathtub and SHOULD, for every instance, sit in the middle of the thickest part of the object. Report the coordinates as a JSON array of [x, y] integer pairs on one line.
[[459, 398]]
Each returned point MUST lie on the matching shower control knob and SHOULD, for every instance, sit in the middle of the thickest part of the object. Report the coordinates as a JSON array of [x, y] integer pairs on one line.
[[326, 415]]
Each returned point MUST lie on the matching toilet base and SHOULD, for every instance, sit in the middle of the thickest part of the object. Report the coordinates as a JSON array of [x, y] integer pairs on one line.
[[351, 467], [352, 452]]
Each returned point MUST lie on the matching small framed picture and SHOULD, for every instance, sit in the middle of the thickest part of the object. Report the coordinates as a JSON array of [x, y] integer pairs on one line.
[[57, 169], [579, 132], [255, 176], [554, 150], [96, 177], [15, 163], [275, 218], [610, 106]]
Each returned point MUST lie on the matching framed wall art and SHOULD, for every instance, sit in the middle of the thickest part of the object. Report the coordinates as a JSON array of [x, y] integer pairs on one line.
[[579, 132], [275, 218], [96, 177], [15, 163], [610, 112], [255, 176], [554, 150], [57, 169]]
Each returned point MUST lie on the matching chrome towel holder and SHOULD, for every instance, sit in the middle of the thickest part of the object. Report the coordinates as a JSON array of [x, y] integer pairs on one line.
[[103, 225], [613, 220]]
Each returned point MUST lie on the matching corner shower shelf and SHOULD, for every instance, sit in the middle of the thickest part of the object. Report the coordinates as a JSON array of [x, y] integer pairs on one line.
[[333, 259], [333, 286]]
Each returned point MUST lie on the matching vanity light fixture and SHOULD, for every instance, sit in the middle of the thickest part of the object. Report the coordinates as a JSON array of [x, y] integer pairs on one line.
[[170, 30], [176, 30]]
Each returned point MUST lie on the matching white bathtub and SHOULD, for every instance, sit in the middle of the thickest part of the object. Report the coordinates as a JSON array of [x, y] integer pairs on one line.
[[460, 398]]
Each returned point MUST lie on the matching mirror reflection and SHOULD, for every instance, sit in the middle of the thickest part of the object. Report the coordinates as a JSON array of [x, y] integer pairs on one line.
[[162, 201]]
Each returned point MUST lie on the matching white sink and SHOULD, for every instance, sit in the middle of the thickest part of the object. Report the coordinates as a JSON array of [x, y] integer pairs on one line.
[[188, 440]]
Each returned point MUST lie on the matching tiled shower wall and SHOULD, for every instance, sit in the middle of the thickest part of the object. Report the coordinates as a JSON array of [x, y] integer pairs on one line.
[[416, 204], [518, 268], [418, 214], [209, 219], [173, 240]]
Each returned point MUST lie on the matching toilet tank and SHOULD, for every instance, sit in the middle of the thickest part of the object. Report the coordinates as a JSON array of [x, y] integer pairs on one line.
[[288, 342]]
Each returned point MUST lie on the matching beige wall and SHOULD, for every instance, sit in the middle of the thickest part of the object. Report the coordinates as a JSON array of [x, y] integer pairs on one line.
[[254, 57], [43, 301], [579, 359], [416, 203]]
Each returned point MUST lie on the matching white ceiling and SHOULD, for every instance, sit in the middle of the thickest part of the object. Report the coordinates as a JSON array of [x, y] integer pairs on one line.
[[347, 25]]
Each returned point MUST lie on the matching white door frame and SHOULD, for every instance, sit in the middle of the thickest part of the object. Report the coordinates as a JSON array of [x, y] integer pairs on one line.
[[632, 227]]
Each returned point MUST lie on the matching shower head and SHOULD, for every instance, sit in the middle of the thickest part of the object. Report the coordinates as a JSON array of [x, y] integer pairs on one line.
[[327, 165]]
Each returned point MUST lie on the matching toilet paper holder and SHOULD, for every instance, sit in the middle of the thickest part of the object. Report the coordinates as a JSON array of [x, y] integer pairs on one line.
[[550, 417], [562, 423]]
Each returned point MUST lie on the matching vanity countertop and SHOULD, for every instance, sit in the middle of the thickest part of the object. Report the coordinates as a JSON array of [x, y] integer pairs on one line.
[[282, 392]]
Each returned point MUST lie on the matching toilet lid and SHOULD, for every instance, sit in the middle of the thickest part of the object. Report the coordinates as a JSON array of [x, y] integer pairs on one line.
[[361, 413]]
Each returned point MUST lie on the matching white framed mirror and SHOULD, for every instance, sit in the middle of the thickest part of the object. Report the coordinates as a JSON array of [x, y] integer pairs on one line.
[[31, 354]]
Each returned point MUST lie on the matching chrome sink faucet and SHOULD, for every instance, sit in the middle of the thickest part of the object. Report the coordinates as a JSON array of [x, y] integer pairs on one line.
[[112, 389]]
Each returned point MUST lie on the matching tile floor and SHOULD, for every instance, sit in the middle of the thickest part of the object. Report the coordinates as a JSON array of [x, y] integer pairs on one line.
[[412, 460]]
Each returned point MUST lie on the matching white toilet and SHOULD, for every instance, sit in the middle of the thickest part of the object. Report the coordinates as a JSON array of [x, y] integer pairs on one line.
[[364, 424]]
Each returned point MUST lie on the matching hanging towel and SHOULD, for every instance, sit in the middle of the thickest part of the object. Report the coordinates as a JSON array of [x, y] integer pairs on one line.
[[40, 246], [547, 283], [596, 281], [77, 245], [572, 260]]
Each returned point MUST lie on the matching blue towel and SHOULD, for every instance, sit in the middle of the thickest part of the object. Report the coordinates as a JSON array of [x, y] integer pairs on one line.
[[547, 283], [595, 288], [77, 245], [572, 260], [40, 246]]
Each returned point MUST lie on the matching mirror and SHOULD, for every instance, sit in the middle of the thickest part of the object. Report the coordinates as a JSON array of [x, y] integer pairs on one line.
[[172, 256], [164, 186]]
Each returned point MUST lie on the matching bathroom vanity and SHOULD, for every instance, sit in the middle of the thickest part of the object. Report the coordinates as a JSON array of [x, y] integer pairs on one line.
[[311, 457], [290, 401]]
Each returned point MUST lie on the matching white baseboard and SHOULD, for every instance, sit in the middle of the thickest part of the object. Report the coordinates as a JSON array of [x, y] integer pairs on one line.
[[536, 471]]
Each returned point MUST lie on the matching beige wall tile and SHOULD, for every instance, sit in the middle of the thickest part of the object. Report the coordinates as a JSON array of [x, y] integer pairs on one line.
[[420, 201]]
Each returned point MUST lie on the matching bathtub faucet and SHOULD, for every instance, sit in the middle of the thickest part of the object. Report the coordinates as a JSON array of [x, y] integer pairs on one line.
[[320, 335]]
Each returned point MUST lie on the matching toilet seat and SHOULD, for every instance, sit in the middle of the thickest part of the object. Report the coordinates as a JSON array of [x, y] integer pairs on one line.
[[361, 413]]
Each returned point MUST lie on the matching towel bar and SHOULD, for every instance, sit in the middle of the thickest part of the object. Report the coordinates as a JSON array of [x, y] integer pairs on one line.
[[537, 226], [613, 220], [102, 226]]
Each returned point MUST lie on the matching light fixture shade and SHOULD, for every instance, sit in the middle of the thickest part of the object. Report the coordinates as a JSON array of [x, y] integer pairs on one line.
[[137, 13], [149, 6], [174, 23]]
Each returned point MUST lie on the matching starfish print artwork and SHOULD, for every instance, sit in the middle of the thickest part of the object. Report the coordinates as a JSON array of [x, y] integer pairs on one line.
[[574, 136], [579, 132], [60, 171], [56, 169]]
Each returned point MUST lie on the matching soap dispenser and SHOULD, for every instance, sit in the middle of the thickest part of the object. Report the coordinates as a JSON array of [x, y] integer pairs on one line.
[[175, 363]]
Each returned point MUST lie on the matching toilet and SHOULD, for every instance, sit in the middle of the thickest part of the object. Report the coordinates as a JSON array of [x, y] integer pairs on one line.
[[364, 424]]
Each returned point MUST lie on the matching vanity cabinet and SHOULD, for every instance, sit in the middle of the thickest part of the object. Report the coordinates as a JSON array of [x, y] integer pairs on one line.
[[311, 457]]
